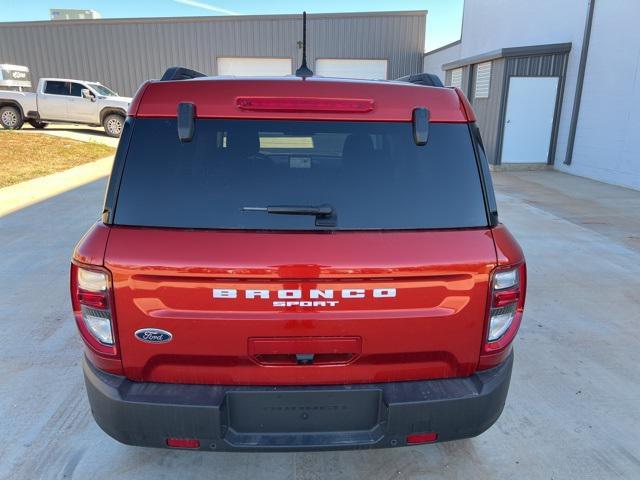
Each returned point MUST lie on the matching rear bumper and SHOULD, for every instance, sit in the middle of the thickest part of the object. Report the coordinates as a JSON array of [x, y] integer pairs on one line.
[[296, 418]]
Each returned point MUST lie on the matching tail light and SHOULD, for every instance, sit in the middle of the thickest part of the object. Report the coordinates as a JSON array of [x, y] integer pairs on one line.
[[508, 288], [91, 295]]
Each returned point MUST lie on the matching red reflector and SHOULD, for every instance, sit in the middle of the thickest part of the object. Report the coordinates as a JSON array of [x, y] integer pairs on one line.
[[418, 438], [302, 104], [501, 299], [92, 299], [183, 442]]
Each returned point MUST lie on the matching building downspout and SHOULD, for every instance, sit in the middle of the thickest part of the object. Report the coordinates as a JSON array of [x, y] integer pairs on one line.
[[575, 113]]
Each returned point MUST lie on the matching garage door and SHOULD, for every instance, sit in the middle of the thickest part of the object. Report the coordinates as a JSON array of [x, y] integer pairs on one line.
[[254, 67], [352, 68]]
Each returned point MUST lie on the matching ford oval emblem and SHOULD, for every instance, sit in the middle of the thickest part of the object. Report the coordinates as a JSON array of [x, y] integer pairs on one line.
[[153, 335]]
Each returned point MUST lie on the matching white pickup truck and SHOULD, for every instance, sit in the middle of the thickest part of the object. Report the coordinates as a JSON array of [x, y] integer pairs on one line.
[[62, 100]]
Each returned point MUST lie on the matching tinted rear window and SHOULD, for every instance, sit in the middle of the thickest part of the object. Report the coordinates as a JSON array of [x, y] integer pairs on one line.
[[56, 88], [371, 173]]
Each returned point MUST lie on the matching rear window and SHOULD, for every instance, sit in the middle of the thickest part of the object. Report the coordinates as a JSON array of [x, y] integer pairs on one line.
[[56, 88], [371, 174]]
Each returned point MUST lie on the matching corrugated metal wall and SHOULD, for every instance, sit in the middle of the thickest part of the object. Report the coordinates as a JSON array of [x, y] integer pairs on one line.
[[553, 65], [488, 109], [124, 53]]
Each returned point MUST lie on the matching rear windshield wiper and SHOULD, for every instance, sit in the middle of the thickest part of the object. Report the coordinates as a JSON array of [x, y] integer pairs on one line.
[[325, 214]]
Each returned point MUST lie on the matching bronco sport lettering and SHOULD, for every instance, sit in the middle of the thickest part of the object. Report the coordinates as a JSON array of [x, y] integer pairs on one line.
[[309, 299]]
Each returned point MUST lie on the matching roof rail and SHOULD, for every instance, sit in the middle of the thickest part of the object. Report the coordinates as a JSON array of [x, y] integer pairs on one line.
[[429, 79], [180, 73]]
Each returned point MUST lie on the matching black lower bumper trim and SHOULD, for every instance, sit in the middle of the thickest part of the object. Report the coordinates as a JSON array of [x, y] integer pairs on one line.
[[296, 418]]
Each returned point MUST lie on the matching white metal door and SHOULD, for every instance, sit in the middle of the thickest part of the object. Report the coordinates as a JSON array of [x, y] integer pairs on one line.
[[351, 68], [254, 67], [528, 121]]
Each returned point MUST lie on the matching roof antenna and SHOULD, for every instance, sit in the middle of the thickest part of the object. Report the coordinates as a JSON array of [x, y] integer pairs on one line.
[[304, 71]]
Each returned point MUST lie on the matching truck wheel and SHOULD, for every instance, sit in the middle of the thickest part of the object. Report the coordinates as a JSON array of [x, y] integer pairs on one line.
[[10, 118], [113, 124], [37, 125]]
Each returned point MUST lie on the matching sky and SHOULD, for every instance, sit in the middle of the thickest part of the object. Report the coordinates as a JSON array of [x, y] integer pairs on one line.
[[443, 20]]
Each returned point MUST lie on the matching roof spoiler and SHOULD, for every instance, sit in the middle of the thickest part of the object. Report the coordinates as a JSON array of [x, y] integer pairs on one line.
[[180, 73], [428, 79]]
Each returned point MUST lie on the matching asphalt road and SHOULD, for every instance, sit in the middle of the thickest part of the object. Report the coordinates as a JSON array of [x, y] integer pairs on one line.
[[573, 410]]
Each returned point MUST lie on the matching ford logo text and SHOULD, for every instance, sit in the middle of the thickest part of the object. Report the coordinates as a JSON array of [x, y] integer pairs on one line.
[[153, 335]]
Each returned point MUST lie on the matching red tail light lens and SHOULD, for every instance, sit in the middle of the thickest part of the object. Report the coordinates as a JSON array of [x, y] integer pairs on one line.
[[92, 306], [508, 287], [91, 299]]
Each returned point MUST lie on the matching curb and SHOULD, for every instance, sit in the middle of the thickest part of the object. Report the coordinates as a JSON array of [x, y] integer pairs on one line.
[[81, 135], [20, 195], [520, 167]]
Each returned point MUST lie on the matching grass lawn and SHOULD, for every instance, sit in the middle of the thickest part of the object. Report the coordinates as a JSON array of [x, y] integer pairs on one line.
[[24, 156]]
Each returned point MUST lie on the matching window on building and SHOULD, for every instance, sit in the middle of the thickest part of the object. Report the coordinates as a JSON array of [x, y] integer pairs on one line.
[[456, 78], [483, 80]]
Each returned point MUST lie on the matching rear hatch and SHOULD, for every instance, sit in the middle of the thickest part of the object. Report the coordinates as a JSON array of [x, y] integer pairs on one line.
[[390, 283]]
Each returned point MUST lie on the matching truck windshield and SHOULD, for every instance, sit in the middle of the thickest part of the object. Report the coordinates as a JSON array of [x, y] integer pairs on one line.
[[102, 90], [368, 175]]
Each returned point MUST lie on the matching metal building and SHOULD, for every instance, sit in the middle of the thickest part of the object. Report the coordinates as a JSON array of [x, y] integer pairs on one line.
[[122, 53], [510, 89], [574, 110]]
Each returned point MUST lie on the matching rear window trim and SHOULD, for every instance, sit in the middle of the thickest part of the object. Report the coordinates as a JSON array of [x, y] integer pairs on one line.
[[491, 207], [320, 231]]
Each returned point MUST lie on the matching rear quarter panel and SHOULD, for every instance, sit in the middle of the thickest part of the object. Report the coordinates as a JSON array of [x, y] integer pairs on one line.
[[508, 251], [25, 100]]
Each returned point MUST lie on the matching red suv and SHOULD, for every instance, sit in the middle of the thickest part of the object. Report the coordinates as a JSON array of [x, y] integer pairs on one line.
[[297, 263]]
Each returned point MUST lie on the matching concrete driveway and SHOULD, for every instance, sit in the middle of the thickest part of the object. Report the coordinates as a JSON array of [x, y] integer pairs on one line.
[[573, 410]]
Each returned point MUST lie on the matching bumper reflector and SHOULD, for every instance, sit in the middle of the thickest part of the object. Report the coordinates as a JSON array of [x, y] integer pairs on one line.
[[183, 442], [418, 438]]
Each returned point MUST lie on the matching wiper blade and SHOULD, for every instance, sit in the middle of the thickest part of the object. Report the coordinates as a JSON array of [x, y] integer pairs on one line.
[[321, 210], [325, 215]]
